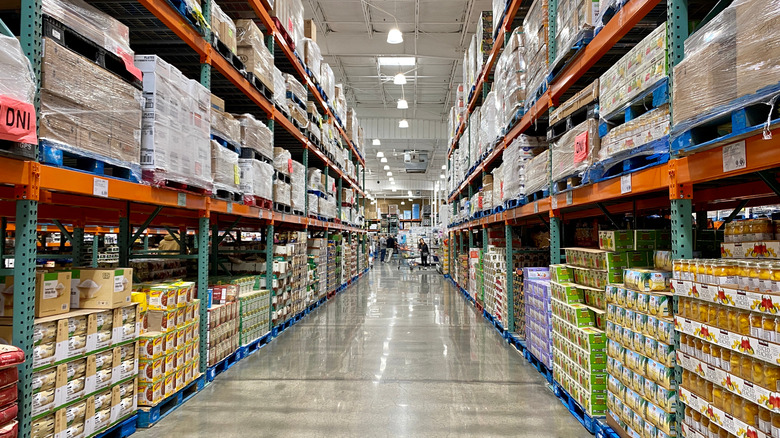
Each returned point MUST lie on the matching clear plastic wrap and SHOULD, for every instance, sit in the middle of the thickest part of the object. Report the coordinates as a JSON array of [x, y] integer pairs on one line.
[[94, 25], [293, 86], [487, 192], [290, 14], [283, 161], [282, 192], [472, 141], [314, 204], [314, 180], [583, 97], [499, 182], [297, 113], [511, 78], [731, 62], [517, 158], [352, 125], [256, 135], [577, 150], [313, 57], [224, 168], [642, 67], [87, 109], [575, 20], [223, 27], [298, 187], [489, 131], [256, 178], [175, 144], [484, 36], [328, 207], [651, 126], [327, 81], [280, 89], [17, 83], [225, 126], [252, 51], [607, 9], [340, 103], [536, 56], [537, 175], [472, 62]]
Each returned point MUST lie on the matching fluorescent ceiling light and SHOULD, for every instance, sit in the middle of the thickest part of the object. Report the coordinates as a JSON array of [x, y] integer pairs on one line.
[[410, 199], [403, 203], [399, 79], [403, 124], [387, 167], [380, 154], [409, 192], [395, 36], [397, 60], [377, 142], [392, 180], [403, 104], [384, 160], [441, 176], [395, 189], [389, 173], [443, 167]]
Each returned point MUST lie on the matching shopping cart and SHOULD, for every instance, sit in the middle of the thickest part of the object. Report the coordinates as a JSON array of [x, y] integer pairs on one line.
[[411, 258]]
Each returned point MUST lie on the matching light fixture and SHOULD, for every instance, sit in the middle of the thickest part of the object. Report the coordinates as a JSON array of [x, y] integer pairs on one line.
[[377, 142], [403, 104], [389, 173], [399, 79], [441, 176], [444, 167], [387, 167], [395, 189], [403, 203], [396, 60], [384, 160], [392, 181], [403, 124], [410, 199], [409, 192], [380, 154], [395, 36]]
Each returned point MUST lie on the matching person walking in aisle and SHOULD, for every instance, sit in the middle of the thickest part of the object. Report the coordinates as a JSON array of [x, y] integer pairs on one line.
[[424, 252], [390, 247], [382, 248]]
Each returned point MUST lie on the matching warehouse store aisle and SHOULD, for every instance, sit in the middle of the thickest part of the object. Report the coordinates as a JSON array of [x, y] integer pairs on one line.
[[397, 354]]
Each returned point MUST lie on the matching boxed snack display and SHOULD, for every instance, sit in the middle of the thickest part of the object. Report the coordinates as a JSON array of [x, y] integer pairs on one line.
[[52, 296], [88, 110], [100, 288], [637, 71], [175, 144]]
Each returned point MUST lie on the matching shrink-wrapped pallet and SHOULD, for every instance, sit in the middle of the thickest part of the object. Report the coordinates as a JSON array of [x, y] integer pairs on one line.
[[574, 22], [290, 15], [535, 31], [223, 27], [253, 52], [283, 161], [17, 90], [256, 178], [517, 159], [298, 186], [314, 204], [651, 126], [327, 81], [256, 135], [280, 89], [472, 142], [510, 81], [538, 173], [489, 130], [312, 56], [484, 37], [282, 192], [295, 88], [224, 168], [175, 143], [225, 126], [576, 151]]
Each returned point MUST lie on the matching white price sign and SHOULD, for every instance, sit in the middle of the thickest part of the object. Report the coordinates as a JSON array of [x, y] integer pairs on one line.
[[734, 156], [569, 198], [100, 187], [181, 201], [230, 207], [536, 207], [625, 184], [554, 202]]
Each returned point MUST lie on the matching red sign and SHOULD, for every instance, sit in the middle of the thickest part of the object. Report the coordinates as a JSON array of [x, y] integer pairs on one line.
[[17, 121], [289, 166], [581, 148], [129, 64]]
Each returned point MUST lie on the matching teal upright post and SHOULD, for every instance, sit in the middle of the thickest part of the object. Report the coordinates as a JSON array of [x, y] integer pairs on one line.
[[203, 285], [556, 239], [510, 292], [78, 246], [269, 272]]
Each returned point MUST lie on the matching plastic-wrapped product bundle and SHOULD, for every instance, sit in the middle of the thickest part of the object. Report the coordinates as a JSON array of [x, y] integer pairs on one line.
[[472, 142], [466, 72], [86, 109], [577, 150], [731, 62], [651, 126], [498, 184], [294, 87], [283, 161], [225, 126], [499, 6], [298, 186], [256, 135], [352, 125], [280, 89], [256, 178], [252, 51], [340, 105], [313, 57], [538, 327], [314, 204], [583, 97], [642, 67], [517, 158], [472, 62], [17, 83], [282, 192], [224, 168], [511, 78], [94, 25], [537, 175], [573, 22], [536, 56], [175, 145], [487, 192], [327, 81], [484, 37], [488, 132], [223, 27]]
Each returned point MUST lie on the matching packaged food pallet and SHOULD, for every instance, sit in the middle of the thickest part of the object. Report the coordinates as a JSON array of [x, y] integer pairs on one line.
[[574, 23], [17, 90], [252, 51], [576, 151], [535, 28]]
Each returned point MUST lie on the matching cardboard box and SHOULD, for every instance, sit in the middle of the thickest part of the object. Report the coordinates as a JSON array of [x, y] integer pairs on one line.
[[51, 293], [101, 288], [217, 103], [758, 51], [310, 30]]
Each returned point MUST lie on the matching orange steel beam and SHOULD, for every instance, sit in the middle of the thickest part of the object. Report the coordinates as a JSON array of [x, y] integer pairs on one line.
[[234, 76], [644, 181], [179, 25]]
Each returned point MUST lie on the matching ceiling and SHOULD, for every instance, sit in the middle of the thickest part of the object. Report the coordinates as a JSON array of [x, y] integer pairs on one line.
[[352, 35]]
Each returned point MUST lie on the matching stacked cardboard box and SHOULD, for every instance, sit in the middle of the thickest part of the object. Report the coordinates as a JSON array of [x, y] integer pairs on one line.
[[252, 51], [495, 283], [575, 151], [535, 31], [223, 331], [255, 306], [538, 315], [318, 254]]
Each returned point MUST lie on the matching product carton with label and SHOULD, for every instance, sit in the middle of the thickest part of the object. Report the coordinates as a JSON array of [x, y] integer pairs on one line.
[[51, 293], [616, 240], [101, 288]]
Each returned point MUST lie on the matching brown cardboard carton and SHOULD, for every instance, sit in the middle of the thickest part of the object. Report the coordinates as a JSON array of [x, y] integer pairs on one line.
[[101, 288], [217, 103], [758, 48], [310, 30], [52, 293]]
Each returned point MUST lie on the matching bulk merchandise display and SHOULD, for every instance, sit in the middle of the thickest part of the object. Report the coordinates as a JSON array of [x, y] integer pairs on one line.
[[538, 314], [317, 250], [290, 278], [170, 339], [335, 241], [525, 261], [495, 283], [254, 311]]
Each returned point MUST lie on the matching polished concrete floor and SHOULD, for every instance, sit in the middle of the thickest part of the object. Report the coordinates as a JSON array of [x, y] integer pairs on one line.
[[397, 354]]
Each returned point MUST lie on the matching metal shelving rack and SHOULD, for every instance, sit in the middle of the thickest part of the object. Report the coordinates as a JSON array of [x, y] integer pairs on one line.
[[29, 190], [685, 185]]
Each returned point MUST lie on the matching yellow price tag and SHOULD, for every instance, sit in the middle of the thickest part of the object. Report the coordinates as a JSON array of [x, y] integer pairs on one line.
[[236, 174]]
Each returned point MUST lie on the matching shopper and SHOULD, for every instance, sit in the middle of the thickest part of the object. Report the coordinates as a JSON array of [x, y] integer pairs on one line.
[[424, 252], [382, 248], [169, 244], [391, 243]]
